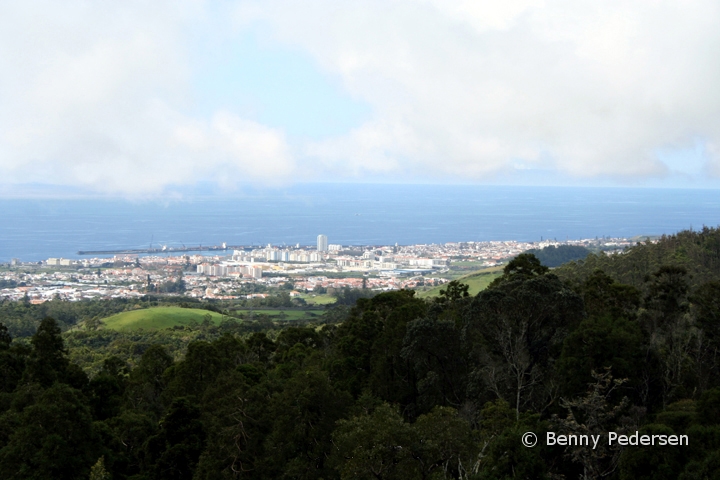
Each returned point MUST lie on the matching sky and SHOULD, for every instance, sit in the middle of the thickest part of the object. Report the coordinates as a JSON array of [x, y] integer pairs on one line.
[[142, 99]]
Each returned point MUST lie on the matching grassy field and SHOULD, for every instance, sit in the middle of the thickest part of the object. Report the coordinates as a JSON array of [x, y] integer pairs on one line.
[[156, 318], [322, 299], [477, 282]]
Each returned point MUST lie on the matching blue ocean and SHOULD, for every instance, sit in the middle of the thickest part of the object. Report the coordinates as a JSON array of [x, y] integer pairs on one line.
[[349, 214]]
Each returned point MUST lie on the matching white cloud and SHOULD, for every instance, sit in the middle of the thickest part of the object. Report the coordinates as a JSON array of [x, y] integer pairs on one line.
[[94, 95], [467, 88], [97, 94]]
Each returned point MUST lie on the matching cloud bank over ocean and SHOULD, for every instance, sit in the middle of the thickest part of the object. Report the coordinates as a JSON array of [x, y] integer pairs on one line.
[[133, 98]]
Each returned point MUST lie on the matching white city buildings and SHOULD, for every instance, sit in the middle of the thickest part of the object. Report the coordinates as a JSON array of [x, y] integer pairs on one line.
[[322, 243]]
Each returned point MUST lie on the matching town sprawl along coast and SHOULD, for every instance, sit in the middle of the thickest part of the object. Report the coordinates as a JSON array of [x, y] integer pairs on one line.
[[230, 274]]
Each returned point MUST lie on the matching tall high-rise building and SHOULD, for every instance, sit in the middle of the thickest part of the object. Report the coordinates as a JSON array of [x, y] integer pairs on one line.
[[322, 244]]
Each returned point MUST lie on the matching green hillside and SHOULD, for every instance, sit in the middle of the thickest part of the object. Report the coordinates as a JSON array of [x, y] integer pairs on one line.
[[321, 299], [156, 318], [696, 251], [477, 282]]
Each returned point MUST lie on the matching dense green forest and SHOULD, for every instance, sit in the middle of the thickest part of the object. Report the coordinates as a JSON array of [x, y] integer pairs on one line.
[[554, 256], [393, 387]]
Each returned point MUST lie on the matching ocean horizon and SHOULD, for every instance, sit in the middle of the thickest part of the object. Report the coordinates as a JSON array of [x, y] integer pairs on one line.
[[349, 214]]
